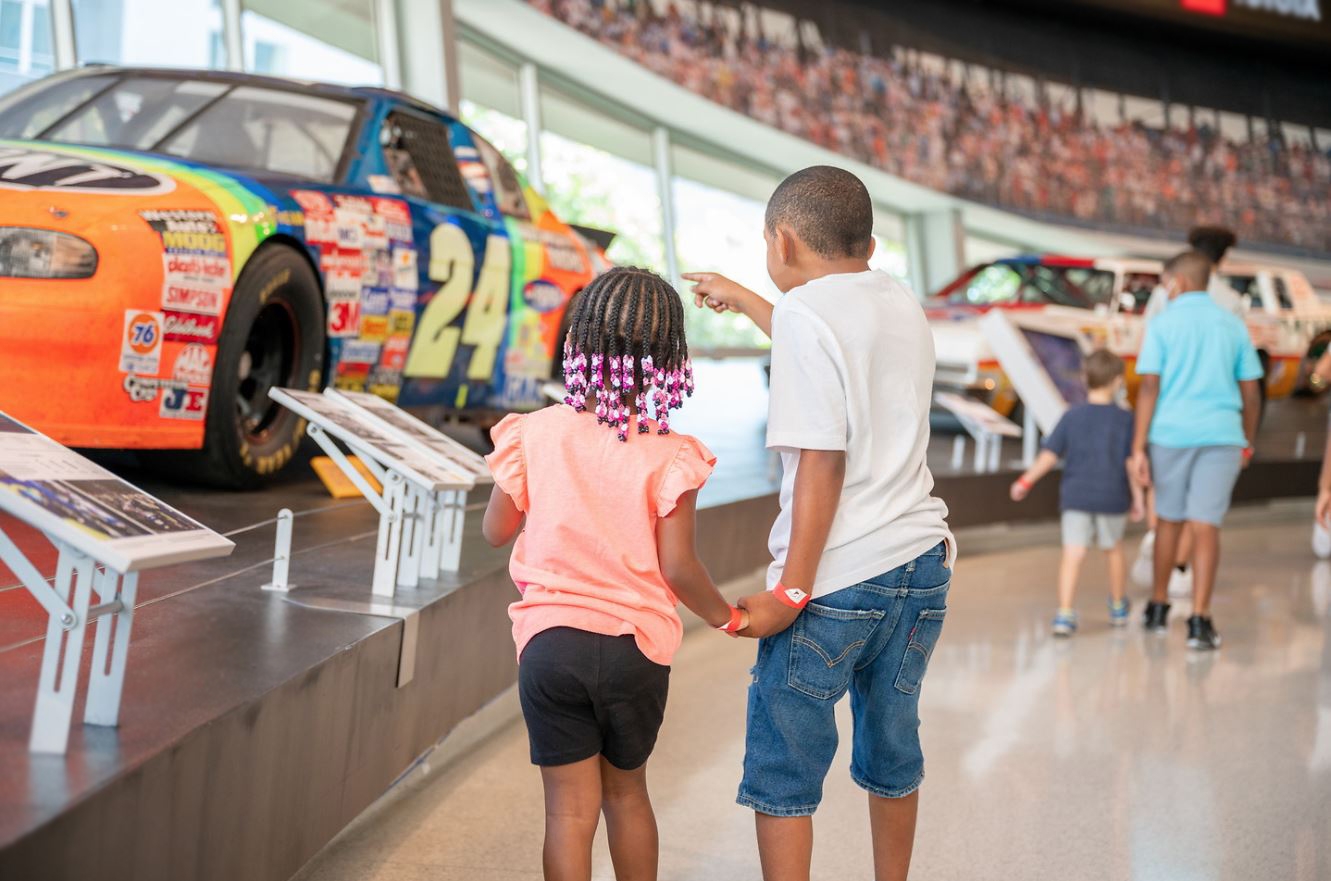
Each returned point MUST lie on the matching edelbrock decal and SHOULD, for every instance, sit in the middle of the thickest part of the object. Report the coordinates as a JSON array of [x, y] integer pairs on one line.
[[24, 169]]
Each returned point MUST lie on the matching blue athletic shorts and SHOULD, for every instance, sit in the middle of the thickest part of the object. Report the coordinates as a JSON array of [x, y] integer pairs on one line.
[[873, 640], [1194, 483]]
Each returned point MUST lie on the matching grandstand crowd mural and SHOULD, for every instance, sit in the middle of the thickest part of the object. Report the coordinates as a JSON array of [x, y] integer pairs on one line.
[[1044, 149]]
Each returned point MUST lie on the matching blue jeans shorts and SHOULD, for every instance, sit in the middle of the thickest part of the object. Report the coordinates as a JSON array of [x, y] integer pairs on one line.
[[873, 640]]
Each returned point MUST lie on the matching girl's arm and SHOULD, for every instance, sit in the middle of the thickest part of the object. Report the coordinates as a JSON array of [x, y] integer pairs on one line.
[[682, 569], [1022, 486], [503, 520]]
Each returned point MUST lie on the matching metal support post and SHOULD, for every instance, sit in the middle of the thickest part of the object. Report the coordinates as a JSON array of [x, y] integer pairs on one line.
[[666, 190], [529, 87], [958, 452], [434, 535], [389, 543], [282, 552], [1030, 438], [454, 518], [414, 517], [62, 653], [110, 651]]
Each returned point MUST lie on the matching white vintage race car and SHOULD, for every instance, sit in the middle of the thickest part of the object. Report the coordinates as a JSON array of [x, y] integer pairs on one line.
[[1106, 299]]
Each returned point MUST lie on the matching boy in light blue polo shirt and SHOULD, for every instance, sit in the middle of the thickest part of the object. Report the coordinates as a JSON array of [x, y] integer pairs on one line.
[[1197, 409]]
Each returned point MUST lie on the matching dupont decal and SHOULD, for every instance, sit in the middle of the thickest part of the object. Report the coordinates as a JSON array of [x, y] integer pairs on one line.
[[185, 327], [194, 365], [141, 344], [25, 169], [542, 295]]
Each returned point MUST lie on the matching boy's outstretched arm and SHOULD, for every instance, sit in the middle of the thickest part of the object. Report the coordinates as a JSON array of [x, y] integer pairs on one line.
[[1043, 464], [682, 569], [818, 484], [502, 520], [716, 292]]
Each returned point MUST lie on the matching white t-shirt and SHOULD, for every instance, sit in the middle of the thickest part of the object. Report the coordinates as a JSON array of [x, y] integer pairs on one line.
[[853, 370]]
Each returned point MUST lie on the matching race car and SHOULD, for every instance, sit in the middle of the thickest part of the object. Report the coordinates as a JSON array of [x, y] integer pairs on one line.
[[1106, 299], [174, 243]]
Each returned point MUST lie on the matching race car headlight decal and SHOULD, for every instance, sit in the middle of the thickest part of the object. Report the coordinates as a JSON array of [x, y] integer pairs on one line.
[[41, 253]]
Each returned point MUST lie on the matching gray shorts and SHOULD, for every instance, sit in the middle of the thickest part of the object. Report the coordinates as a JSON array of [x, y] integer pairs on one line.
[[1194, 483], [1081, 528]]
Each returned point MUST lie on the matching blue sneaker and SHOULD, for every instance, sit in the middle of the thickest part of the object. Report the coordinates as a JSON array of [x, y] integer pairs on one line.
[[1118, 612], [1065, 623]]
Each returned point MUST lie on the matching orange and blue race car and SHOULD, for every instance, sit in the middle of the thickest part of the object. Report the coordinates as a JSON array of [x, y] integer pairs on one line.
[[175, 243]]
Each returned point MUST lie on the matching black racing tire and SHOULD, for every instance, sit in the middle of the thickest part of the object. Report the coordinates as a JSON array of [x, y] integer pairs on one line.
[[273, 336]]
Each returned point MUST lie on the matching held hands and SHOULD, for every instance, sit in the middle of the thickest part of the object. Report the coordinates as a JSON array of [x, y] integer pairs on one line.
[[767, 615], [714, 291]]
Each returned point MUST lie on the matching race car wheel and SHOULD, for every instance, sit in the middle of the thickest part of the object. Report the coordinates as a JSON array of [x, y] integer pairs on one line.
[[273, 337]]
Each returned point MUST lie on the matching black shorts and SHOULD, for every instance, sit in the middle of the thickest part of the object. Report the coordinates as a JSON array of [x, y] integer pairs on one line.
[[585, 694]]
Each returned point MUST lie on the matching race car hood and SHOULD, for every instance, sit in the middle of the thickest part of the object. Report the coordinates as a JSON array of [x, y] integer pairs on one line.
[[959, 342], [78, 189]]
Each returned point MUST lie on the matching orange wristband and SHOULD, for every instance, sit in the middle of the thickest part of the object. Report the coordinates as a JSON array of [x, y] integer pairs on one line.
[[736, 620], [791, 596]]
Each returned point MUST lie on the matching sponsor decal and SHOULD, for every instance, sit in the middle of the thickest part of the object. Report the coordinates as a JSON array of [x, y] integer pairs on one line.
[[360, 352], [24, 169], [395, 354], [374, 301], [343, 318], [183, 402], [543, 295], [399, 298], [351, 377], [141, 344], [145, 388], [401, 322], [194, 365], [374, 328], [189, 298], [561, 253], [188, 230], [188, 328], [405, 274]]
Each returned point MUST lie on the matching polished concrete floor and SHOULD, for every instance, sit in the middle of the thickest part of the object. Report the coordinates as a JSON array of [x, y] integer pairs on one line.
[[1113, 755]]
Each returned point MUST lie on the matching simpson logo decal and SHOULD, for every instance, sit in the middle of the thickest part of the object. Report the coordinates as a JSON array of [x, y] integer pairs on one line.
[[194, 365], [184, 403], [187, 328], [23, 169], [141, 345]]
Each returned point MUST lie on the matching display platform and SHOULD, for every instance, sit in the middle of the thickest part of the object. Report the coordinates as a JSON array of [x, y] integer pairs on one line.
[[255, 725]]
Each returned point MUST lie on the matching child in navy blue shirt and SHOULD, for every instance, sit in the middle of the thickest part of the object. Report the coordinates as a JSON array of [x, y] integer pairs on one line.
[[1094, 440]]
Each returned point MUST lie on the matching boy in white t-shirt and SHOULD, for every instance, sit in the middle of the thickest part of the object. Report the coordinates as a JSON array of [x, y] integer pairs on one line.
[[862, 556]]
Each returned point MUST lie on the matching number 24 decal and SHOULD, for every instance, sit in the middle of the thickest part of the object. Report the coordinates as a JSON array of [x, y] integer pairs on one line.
[[453, 264]]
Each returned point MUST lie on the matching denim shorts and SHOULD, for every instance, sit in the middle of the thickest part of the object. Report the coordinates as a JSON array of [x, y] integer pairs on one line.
[[873, 640], [1194, 483]]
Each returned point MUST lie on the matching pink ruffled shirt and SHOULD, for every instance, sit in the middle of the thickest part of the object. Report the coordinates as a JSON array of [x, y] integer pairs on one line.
[[587, 555]]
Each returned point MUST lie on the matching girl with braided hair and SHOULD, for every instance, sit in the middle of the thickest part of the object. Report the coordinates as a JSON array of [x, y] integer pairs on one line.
[[604, 495]]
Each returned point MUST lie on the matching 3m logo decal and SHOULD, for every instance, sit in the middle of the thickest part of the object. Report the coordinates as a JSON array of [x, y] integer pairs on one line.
[[47, 170]]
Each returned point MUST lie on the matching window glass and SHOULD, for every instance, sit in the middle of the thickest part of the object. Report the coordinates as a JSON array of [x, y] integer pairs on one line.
[[312, 39], [136, 113], [1282, 293], [1140, 286], [28, 111], [278, 131], [420, 158], [25, 42], [507, 185], [167, 33], [997, 283]]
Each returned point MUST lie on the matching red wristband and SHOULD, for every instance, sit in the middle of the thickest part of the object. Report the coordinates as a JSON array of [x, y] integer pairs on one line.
[[1026, 485], [1248, 453], [791, 596], [735, 622]]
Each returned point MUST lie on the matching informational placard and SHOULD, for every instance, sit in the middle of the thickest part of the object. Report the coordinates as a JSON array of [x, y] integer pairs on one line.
[[407, 429], [80, 503], [976, 417], [1042, 361], [348, 426]]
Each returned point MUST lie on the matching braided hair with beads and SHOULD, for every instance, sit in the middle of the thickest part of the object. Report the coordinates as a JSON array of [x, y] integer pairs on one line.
[[626, 345]]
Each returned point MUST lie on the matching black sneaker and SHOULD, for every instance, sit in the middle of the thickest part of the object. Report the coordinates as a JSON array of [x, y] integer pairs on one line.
[[1201, 634], [1156, 617]]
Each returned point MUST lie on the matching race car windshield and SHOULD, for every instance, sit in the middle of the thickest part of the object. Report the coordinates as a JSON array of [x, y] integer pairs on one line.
[[246, 127], [1037, 284]]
